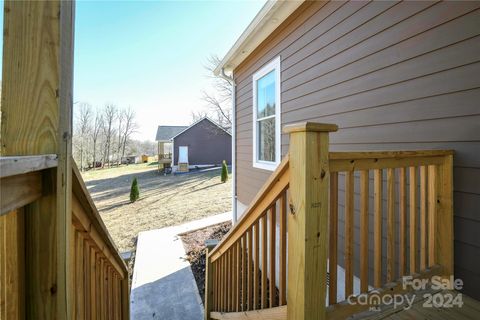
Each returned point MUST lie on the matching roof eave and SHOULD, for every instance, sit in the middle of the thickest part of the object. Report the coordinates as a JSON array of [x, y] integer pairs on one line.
[[272, 14]]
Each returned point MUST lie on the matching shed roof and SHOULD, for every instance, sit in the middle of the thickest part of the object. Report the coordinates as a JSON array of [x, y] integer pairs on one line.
[[165, 133], [197, 122]]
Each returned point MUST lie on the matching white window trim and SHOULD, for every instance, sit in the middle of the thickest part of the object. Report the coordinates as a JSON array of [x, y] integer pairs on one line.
[[268, 165]]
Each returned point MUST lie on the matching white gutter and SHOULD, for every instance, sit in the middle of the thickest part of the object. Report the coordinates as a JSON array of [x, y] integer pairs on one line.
[[234, 144], [272, 14]]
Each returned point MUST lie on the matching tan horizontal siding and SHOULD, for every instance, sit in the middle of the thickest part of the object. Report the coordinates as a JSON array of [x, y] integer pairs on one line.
[[392, 76]]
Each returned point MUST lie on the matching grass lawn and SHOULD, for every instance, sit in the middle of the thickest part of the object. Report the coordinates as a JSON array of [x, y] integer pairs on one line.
[[164, 200]]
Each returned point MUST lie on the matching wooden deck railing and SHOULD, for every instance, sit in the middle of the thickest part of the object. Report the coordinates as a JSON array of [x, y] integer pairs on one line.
[[236, 282], [167, 156], [333, 198], [99, 276]]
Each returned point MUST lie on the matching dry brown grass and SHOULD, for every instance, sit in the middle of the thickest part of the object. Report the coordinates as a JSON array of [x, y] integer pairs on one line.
[[164, 200]]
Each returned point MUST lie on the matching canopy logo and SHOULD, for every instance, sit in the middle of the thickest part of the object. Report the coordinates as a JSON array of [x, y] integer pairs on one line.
[[435, 297]]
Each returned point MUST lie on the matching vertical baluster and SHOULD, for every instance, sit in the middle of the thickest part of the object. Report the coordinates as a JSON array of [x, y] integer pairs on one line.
[[224, 279], [214, 284], [238, 277], [229, 280], [102, 290], [413, 220], [234, 277], [221, 292], [256, 268], [273, 227], [234, 266], [219, 283], [264, 262], [333, 242], [423, 217], [432, 211], [225, 282], [217, 286], [364, 179], [256, 238], [403, 222], [218, 270], [349, 205], [79, 276], [377, 263], [110, 293], [250, 270], [93, 281], [444, 216], [244, 273], [98, 285], [283, 250], [226, 274], [114, 295], [390, 224]]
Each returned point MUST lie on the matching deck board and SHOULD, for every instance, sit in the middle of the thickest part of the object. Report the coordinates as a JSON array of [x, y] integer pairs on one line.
[[469, 310]]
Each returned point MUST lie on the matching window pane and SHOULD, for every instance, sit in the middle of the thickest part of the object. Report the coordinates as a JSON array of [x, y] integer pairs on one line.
[[266, 95], [266, 139]]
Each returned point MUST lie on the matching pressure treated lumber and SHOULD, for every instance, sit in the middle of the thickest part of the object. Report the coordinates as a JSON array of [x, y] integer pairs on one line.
[[333, 238], [37, 85], [377, 228], [308, 223], [16, 165]]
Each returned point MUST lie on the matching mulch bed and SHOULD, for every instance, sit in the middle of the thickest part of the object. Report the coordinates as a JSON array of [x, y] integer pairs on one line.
[[194, 244]]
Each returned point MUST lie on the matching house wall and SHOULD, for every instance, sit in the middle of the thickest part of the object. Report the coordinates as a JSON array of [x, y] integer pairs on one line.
[[207, 144], [392, 76]]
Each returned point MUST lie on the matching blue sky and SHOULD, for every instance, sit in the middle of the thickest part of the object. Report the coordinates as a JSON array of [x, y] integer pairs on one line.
[[150, 55]]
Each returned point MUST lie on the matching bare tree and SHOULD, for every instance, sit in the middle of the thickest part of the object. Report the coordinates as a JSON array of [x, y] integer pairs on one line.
[[120, 118], [197, 115], [110, 113], [95, 133], [129, 128], [82, 128], [219, 101]]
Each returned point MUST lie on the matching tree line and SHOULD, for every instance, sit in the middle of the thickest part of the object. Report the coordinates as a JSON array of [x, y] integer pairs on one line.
[[102, 136]]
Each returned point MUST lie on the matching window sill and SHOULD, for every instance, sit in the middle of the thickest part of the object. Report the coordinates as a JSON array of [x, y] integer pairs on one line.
[[270, 166]]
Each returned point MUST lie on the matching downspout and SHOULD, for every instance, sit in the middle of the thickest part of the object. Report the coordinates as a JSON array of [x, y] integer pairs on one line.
[[234, 145]]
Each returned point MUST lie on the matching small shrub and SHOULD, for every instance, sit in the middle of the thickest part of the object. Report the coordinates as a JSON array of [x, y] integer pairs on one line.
[[134, 192], [224, 176]]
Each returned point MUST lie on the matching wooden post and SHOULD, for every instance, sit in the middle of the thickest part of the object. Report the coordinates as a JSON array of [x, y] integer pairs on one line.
[[444, 218], [308, 220], [125, 302], [210, 244], [37, 119]]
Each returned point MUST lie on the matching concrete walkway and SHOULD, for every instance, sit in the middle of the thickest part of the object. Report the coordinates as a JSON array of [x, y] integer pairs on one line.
[[163, 286]]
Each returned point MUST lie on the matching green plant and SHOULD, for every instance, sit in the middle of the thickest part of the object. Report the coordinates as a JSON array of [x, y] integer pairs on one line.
[[224, 176], [134, 192]]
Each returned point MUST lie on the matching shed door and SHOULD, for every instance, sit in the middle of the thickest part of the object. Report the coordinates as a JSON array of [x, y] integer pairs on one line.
[[183, 154]]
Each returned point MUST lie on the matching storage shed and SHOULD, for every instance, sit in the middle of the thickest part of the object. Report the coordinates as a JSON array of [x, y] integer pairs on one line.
[[201, 144]]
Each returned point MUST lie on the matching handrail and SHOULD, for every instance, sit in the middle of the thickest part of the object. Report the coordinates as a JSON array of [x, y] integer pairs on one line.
[[272, 188], [354, 155], [21, 180], [241, 270], [15, 165], [80, 191], [96, 262], [424, 225], [364, 160]]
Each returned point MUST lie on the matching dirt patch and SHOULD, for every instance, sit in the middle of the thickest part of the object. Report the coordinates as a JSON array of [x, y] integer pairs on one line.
[[194, 243], [164, 200]]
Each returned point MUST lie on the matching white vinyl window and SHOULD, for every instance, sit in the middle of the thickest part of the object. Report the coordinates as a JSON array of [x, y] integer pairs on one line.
[[266, 116]]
